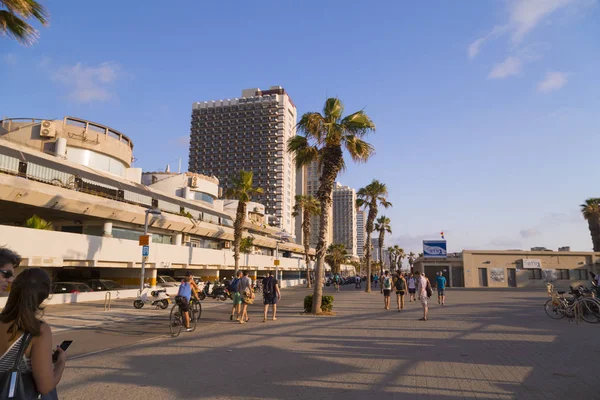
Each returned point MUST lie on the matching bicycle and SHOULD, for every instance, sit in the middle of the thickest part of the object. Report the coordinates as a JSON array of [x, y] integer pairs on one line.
[[177, 319], [586, 308]]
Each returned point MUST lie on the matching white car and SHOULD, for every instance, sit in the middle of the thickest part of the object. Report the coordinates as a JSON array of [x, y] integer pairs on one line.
[[166, 281]]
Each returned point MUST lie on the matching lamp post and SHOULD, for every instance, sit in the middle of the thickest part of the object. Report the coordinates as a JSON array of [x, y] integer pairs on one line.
[[153, 211]]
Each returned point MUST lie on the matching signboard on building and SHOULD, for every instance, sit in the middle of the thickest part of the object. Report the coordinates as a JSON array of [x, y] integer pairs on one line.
[[434, 248], [144, 240], [532, 264]]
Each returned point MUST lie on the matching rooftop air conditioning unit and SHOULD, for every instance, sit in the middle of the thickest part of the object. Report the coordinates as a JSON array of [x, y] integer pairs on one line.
[[48, 129]]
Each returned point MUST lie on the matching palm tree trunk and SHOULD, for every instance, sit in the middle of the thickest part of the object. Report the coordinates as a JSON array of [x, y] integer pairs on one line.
[[594, 225], [238, 226], [370, 219], [306, 240], [381, 238], [331, 164]]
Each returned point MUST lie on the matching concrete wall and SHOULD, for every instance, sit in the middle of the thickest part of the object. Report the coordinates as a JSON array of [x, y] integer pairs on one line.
[[56, 249]]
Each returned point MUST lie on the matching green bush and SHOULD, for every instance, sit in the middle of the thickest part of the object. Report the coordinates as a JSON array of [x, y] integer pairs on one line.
[[326, 303]]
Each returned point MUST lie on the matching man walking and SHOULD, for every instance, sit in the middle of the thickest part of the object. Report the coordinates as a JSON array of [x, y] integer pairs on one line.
[[9, 260], [412, 287], [386, 288], [271, 295], [441, 287], [245, 288], [422, 289], [236, 295], [400, 286]]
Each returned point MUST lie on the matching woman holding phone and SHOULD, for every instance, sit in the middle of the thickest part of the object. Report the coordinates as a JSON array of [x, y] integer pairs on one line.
[[21, 316]]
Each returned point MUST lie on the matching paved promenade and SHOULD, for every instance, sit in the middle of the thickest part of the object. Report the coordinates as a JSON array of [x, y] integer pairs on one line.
[[485, 344]]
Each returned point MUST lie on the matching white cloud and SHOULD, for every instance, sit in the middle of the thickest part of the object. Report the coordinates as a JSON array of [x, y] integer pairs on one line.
[[553, 81], [86, 84], [523, 17], [9, 59], [528, 233], [510, 66]]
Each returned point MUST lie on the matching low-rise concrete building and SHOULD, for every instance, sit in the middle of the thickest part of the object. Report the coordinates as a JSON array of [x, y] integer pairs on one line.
[[512, 268], [98, 213]]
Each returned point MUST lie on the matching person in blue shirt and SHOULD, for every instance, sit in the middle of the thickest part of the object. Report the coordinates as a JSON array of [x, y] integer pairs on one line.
[[441, 288], [184, 294]]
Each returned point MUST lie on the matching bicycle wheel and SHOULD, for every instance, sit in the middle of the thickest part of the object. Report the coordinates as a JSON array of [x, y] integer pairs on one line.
[[175, 321], [554, 311], [590, 311]]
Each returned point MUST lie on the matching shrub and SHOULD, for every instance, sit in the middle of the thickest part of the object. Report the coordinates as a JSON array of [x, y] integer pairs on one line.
[[326, 303]]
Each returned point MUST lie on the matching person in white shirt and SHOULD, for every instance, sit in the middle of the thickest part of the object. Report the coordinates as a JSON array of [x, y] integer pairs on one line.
[[412, 287], [422, 290]]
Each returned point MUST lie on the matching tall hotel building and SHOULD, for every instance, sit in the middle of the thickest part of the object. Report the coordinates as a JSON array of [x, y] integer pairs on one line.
[[344, 218], [249, 133], [360, 231], [311, 174]]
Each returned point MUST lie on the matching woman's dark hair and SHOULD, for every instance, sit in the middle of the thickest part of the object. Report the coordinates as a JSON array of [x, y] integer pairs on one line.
[[23, 307], [8, 256]]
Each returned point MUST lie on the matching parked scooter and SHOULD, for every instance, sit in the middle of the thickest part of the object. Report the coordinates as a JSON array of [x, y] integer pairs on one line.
[[157, 297], [214, 290]]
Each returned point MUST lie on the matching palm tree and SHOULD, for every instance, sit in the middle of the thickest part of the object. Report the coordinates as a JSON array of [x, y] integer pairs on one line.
[[246, 245], [309, 207], [322, 138], [336, 256], [13, 16], [382, 225], [591, 212], [242, 191], [36, 222], [371, 196], [392, 255], [400, 255], [411, 260]]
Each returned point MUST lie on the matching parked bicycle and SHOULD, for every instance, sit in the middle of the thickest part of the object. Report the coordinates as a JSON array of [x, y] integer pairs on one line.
[[576, 307], [177, 318]]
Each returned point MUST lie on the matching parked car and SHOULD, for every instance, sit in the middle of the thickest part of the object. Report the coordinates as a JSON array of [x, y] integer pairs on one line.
[[103, 284], [70, 287], [166, 281]]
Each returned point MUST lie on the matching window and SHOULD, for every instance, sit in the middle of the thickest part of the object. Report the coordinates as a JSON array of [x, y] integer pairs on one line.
[[578, 274], [535, 274], [562, 274]]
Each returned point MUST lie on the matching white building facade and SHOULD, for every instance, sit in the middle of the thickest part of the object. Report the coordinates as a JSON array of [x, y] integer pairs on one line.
[[360, 232]]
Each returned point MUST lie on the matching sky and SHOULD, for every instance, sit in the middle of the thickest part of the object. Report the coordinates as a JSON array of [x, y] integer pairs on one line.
[[486, 111]]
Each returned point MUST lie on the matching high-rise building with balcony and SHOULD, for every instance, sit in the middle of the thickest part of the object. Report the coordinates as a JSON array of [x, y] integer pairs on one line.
[[249, 133], [344, 218], [311, 175], [360, 232]]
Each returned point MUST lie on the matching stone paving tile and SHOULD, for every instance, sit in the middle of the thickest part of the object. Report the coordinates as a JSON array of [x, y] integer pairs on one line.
[[484, 344]]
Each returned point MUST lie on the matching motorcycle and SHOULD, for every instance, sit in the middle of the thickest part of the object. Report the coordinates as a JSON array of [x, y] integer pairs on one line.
[[157, 297], [214, 290]]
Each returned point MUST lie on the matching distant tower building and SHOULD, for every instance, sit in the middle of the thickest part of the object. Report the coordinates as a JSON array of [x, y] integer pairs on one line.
[[249, 133], [344, 218], [360, 232], [312, 173]]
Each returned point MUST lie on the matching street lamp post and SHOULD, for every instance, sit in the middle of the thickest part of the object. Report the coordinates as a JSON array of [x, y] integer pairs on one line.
[[154, 211]]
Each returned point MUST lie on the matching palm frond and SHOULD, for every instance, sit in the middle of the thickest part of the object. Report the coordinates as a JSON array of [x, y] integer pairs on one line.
[[304, 153], [359, 150], [312, 125], [358, 124], [333, 109]]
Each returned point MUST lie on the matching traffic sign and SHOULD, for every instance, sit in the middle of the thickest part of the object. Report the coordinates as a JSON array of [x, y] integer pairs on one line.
[[145, 251], [276, 262], [144, 240]]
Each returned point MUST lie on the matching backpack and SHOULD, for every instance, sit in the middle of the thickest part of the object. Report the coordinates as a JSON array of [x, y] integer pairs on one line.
[[233, 285], [400, 285], [269, 286], [386, 283]]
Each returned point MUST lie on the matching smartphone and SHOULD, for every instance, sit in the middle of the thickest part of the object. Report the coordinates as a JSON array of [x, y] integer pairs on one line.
[[64, 345]]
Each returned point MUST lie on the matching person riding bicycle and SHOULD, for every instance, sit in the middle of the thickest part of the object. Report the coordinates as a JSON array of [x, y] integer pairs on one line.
[[184, 294], [336, 279]]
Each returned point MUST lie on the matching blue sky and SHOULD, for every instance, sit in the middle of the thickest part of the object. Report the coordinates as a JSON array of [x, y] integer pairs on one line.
[[486, 111]]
